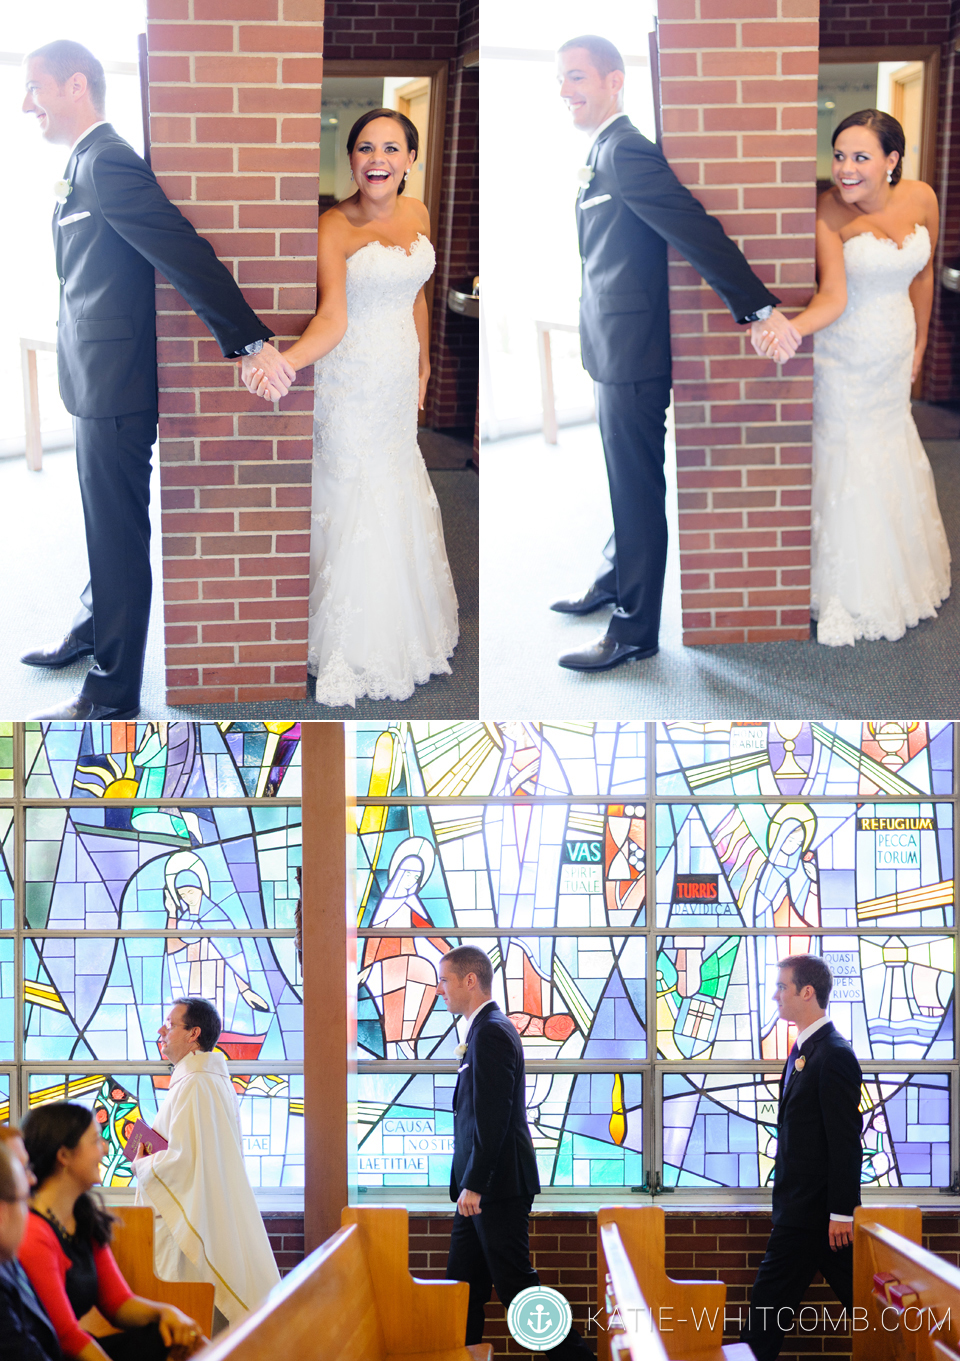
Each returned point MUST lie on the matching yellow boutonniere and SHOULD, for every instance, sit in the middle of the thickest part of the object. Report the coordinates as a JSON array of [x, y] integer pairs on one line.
[[461, 1050], [798, 1066]]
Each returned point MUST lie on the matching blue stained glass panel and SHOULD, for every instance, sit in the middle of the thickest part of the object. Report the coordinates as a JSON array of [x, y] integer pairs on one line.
[[271, 1118], [586, 1129], [803, 759], [495, 758], [4, 1098], [6, 869], [164, 760], [6, 759], [720, 1129]]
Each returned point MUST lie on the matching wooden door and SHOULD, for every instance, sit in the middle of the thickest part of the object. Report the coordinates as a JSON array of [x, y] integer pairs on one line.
[[413, 99]]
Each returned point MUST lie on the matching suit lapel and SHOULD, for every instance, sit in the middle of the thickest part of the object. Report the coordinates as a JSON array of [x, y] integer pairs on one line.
[[806, 1051]]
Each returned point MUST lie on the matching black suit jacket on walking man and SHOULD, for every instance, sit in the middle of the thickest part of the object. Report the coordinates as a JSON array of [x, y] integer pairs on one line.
[[633, 207], [816, 1175], [819, 1154], [114, 230], [493, 1152]]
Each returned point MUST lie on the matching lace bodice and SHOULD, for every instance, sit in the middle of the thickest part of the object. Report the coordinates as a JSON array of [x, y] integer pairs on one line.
[[383, 612], [880, 556]]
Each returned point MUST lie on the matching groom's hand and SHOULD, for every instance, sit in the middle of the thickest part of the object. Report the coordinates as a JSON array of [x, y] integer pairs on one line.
[[468, 1202], [775, 338], [267, 373]]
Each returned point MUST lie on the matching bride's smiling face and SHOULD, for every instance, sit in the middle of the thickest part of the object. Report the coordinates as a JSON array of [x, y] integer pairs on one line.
[[860, 165], [380, 158]]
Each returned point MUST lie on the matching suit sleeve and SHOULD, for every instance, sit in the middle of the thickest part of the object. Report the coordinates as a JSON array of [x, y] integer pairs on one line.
[[652, 191], [494, 1073], [137, 209], [840, 1080]]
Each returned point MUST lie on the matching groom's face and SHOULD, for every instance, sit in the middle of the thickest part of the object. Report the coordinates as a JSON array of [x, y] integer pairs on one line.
[[52, 107], [590, 97]]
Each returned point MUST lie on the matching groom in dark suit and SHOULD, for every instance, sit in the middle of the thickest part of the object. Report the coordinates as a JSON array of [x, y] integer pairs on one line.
[[629, 208], [494, 1175], [816, 1177], [113, 226]]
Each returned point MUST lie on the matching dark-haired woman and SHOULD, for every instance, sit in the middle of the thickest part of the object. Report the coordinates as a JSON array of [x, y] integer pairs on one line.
[[881, 562], [66, 1248], [383, 610]]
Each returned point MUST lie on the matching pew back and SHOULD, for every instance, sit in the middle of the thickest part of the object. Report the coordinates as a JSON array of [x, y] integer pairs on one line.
[[907, 1299], [629, 1331]]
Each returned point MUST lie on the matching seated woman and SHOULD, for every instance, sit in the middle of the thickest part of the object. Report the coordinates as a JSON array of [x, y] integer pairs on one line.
[[66, 1248]]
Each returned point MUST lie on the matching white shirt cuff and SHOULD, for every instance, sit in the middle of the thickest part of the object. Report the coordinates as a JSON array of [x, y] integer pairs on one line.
[[843, 1219]]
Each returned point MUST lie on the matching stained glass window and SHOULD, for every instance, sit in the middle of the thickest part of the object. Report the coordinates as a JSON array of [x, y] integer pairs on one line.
[[530, 841], [158, 860], [6, 760]]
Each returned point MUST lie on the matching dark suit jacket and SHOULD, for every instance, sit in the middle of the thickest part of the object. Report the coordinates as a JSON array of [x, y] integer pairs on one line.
[[107, 333], [817, 1171], [624, 319], [493, 1152], [26, 1333]]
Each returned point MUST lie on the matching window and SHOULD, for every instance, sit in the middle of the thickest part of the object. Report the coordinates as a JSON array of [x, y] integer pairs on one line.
[[629, 877], [142, 861]]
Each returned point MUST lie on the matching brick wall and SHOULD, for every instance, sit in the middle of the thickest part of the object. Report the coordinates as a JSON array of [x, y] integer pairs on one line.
[[883, 23], [738, 91], [285, 1232], [433, 30], [234, 104]]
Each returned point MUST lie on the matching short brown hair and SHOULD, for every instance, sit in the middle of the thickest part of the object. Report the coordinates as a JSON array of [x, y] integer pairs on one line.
[[606, 57], [202, 1015], [8, 1173], [468, 959], [812, 970], [63, 59]]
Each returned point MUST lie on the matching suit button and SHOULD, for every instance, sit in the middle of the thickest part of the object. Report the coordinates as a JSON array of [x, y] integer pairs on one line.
[[62, 279]]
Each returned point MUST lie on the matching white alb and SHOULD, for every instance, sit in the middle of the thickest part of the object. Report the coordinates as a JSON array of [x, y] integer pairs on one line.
[[383, 610], [881, 562]]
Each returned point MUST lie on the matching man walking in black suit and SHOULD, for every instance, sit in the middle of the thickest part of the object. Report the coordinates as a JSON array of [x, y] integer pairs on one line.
[[113, 226], [494, 1176], [629, 208], [816, 1178]]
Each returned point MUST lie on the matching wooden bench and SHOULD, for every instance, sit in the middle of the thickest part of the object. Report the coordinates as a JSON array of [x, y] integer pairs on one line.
[[687, 1314], [132, 1246], [355, 1300], [907, 1300]]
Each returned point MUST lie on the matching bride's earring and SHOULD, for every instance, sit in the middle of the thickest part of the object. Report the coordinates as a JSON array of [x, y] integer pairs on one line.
[[889, 177], [406, 174]]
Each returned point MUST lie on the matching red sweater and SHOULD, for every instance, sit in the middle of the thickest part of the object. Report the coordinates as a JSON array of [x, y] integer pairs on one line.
[[46, 1263]]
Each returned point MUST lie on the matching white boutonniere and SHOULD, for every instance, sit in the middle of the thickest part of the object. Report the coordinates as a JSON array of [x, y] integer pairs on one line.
[[798, 1064], [584, 176], [461, 1050], [63, 189]]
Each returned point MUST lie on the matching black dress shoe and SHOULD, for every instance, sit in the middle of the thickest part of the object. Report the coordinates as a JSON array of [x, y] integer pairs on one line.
[[83, 708], [70, 649], [592, 600], [605, 654]]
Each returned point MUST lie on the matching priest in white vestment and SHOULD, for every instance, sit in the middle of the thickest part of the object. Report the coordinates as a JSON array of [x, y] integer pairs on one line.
[[209, 1227]]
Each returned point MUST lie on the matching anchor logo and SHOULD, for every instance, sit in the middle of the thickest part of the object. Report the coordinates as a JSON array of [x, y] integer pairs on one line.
[[539, 1318]]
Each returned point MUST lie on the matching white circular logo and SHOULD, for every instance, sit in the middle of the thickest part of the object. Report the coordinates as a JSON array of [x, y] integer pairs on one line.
[[539, 1318]]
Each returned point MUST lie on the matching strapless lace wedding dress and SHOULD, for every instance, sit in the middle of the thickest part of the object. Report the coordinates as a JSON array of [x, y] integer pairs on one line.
[[383, 610], [880, 557]]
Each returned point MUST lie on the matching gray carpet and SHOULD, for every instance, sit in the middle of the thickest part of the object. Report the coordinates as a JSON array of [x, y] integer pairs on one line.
[[546, 514], [43, 567]]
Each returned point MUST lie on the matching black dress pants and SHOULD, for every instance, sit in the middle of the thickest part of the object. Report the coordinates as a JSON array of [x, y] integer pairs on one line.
[[793, 1258], [113, 464], [632, 419], [493, 1249]]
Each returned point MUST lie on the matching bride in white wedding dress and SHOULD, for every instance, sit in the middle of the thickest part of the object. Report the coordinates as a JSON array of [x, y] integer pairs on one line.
[[881, 562], [383, 610]]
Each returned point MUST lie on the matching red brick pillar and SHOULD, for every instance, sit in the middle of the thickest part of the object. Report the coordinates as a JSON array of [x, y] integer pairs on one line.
[[235, 130], [738, 82]]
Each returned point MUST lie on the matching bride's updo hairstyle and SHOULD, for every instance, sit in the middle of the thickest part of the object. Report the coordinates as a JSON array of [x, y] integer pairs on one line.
[[887, 130], [409, 131]]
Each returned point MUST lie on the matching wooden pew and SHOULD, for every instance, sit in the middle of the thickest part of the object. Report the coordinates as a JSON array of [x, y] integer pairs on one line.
[[628, 1334], [355, 1300], [913, 1310], [688, 1314], [132, 1246]]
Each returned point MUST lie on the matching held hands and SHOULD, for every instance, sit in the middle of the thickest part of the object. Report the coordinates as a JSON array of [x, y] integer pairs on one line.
[[841, 1233], [267, 374], [776, 338], [179, 1331], [468, 1202]]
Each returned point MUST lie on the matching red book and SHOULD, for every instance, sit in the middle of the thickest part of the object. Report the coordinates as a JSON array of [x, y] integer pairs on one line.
[[143, 1134], [902, 1295], [882, 1282]]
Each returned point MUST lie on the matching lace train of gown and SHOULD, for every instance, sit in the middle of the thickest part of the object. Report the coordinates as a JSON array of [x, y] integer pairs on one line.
[[881, 562], [383, 610]]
